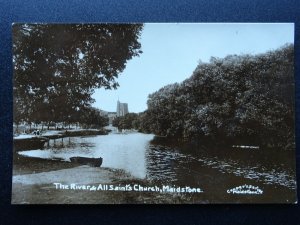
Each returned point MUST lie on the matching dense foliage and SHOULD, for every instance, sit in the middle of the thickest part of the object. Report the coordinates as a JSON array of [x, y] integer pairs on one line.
[[129, 121], [58, 66], [235, 100], [91, 118]]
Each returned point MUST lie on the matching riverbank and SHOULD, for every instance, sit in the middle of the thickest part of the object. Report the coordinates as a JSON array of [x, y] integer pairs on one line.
[[217, 175], [37, 139], [55, 134], [36, 181]]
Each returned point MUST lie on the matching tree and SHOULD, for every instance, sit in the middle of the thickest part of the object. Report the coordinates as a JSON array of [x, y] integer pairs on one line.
[[129, 121], [91, 118], [235, 100], [58, 66]]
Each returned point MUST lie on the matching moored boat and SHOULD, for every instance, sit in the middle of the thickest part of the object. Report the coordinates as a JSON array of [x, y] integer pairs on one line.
[[95, 162]]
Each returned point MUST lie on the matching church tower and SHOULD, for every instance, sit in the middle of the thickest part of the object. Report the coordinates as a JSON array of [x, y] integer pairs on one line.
[[122, 108]]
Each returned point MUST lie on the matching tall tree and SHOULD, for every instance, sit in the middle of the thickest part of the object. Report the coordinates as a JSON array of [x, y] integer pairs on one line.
[[58, 66], [238, 99]]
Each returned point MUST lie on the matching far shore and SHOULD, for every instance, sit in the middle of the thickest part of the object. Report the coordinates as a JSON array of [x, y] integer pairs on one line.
[[54, 134]]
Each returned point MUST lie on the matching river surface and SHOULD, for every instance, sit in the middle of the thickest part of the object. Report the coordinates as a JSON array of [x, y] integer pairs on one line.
[[163, 164]]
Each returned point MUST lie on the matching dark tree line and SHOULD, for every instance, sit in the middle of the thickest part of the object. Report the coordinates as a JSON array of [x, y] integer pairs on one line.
[[91, 118], [58, 66], [129, 121], [235, 100]]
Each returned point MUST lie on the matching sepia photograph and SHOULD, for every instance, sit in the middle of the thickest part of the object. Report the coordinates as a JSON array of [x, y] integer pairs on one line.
[[153, 113]]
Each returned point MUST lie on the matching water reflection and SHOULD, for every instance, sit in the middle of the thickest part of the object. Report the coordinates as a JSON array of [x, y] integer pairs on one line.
[[156, 162], [165, 163], [122, 151]]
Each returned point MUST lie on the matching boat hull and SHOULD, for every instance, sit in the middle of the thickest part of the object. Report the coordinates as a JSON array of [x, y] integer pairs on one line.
[[95, 162]]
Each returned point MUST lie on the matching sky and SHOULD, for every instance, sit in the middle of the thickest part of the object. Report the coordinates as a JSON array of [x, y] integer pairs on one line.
[[172, 51]]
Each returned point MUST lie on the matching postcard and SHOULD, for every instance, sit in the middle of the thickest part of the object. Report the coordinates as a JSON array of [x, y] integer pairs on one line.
[[153, 113]]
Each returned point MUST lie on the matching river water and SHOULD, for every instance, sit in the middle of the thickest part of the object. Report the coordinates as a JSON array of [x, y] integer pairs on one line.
[[159, 163]]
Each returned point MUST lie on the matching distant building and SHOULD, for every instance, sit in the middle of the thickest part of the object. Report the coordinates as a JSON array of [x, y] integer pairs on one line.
[[122, 108]]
